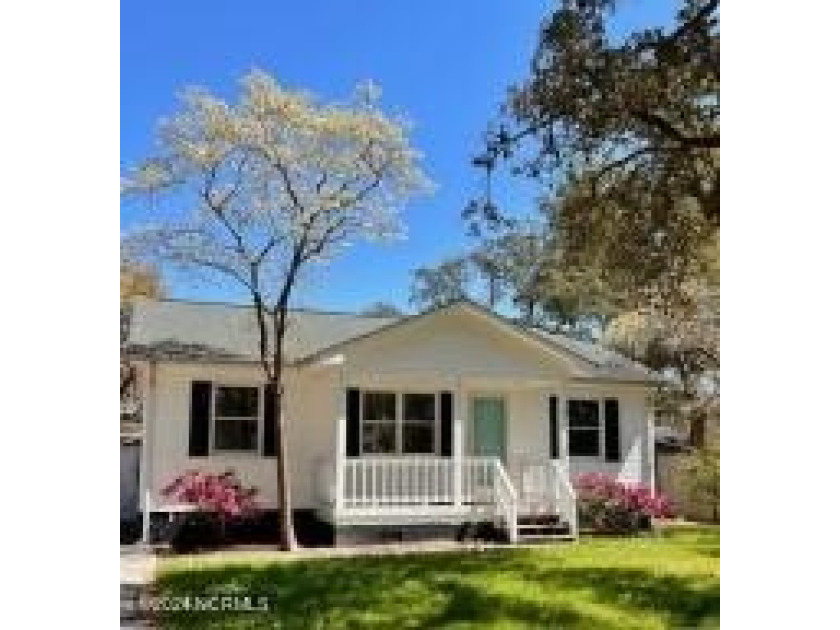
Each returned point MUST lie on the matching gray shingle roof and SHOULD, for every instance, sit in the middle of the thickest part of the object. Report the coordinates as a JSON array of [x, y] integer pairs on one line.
[[180, 330], [606, 363], [201, 330]]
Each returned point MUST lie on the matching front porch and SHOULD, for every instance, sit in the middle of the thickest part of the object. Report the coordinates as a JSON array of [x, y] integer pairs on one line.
[[531, 497], [431, 450]]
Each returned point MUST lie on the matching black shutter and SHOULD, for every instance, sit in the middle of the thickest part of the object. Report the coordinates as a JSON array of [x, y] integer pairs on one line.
[[353, 427], [612, 431], [446, 424], [269, 420], [200, 395], [553, 429]]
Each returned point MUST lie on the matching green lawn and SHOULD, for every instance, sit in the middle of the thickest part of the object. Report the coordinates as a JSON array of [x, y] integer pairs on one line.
[[666, 581]]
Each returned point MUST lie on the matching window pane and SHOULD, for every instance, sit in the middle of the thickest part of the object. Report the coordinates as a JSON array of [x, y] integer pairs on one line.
[[583, 413], [237, 402], [236, 435], [419, 408], [380, 406], [418, 438], [584, 442], [379, 438]]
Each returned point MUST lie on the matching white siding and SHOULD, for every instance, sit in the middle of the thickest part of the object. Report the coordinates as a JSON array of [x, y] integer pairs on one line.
[[634, 464], [442, 351], [310, 409], [447, 352], [455, 344], [528, 428], [528, 425]]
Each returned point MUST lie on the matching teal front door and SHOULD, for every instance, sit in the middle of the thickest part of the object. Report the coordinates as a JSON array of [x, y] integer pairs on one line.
[[489, 427]]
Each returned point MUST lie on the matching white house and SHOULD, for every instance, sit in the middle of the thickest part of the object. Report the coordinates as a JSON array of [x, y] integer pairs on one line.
[[453, 416]]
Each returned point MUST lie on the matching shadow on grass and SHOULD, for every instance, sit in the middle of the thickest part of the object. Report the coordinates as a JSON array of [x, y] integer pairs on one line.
[[507, 587], [682, 602], [390, 592]]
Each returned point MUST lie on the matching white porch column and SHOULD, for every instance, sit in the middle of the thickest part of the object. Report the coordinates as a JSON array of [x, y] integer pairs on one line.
[[148, 383], [563, 430], [458, 414], [340, 441]]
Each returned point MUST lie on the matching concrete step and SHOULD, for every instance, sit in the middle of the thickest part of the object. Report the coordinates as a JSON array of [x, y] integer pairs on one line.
[[539, 519], [537, 529]]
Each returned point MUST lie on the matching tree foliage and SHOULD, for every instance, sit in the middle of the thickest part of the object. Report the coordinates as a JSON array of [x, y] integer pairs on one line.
[[628, 131], [508, 270], [436, 286], [625, 133], [264, 188], [139, 281], [503, 267], [700, 471], [382, 309], [135, 281], [514, 259]]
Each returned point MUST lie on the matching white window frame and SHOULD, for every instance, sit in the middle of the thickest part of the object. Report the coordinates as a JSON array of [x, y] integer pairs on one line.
[[398, 421], [601, 432], [260, 415]]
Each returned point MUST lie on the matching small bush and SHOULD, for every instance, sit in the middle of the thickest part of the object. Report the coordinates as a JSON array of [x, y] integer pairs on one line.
[[610, 506], [219, 499], [700, 473]]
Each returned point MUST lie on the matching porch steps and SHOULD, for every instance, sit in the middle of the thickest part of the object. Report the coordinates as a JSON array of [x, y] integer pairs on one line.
[[533, 528]]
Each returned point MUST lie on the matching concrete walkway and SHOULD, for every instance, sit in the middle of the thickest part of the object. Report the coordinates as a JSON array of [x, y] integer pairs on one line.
[[246, 553], [137, 571], [137, 565]]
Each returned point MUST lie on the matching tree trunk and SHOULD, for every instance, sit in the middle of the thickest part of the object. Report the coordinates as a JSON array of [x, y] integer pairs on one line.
[[530, 305], [284, 504], [493, 291], [697, 430]]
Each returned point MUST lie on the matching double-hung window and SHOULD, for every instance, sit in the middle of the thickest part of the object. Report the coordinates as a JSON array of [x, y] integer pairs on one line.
[[398, 422], [418, 427], [379, 422], [584, 427], [236, 419]]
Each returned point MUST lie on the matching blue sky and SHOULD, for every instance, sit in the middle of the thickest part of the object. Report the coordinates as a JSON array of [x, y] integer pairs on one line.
[[445, 64]]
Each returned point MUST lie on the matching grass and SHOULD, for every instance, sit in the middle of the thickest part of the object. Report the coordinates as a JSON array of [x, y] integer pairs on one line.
[[669, 580]]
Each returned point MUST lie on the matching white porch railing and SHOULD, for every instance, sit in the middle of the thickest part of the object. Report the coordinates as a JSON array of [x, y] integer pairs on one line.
[[381, 481], [378, 487], [394, 481], [543, 487]]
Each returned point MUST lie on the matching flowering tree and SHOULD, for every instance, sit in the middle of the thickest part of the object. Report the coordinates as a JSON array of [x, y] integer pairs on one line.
[[610, 505], [265, 187]]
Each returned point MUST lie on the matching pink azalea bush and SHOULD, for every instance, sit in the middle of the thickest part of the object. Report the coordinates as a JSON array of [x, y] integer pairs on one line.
[[608, 505], [221, 494]]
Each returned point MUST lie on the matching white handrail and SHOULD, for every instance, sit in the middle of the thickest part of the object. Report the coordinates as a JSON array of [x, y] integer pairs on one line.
[[506, 501], [566, 497]]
